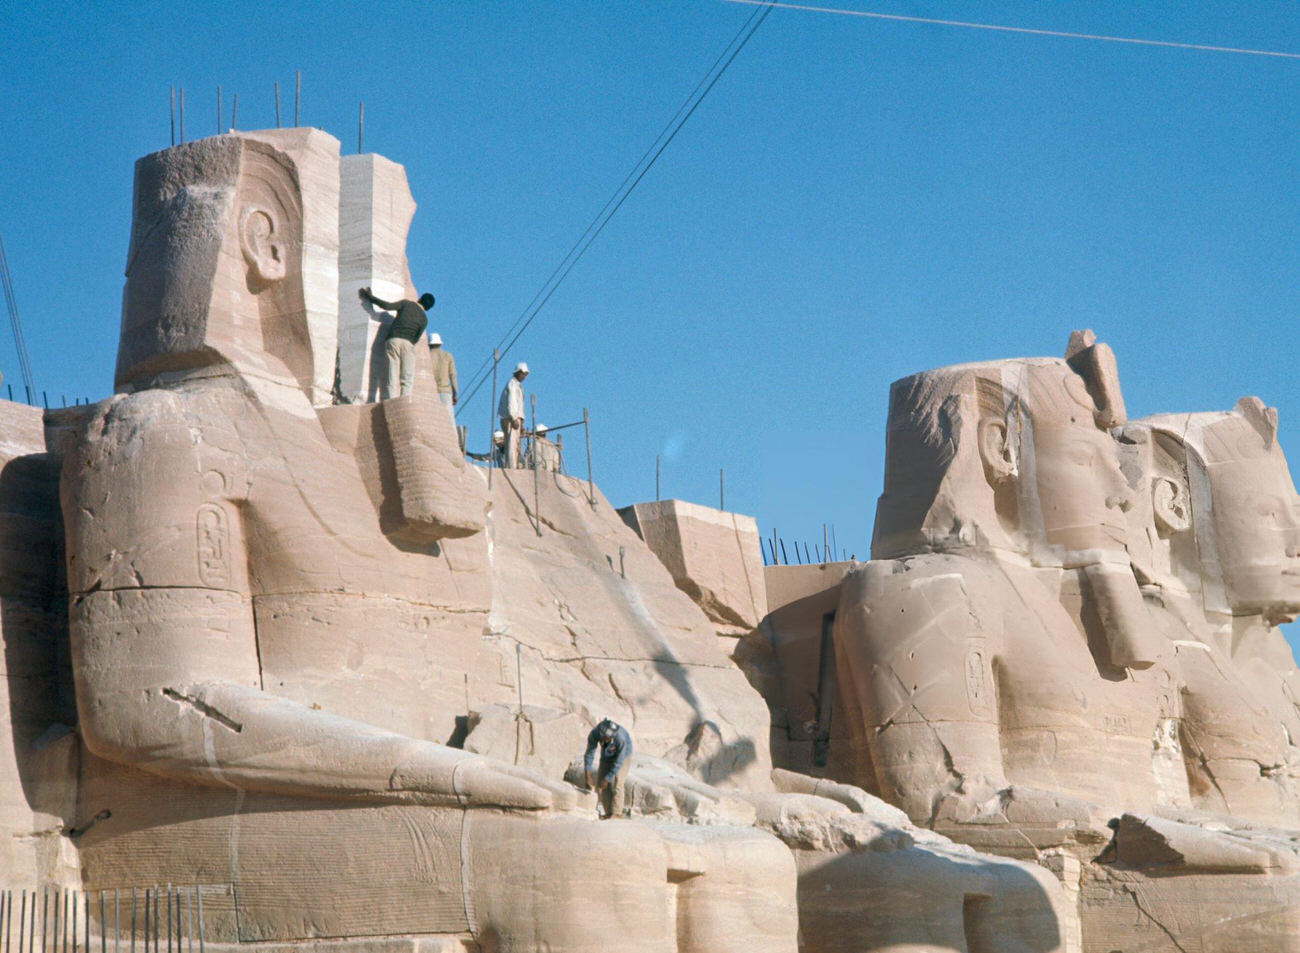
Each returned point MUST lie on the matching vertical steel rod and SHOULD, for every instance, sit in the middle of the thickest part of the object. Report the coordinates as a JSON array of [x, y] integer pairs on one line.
[[169, 918], [133, 920], [586, 430], [117, 921], [198, 890], [277, 105], [234, 112], [74, 927], [537, 491], [492, 447], [189, 923]]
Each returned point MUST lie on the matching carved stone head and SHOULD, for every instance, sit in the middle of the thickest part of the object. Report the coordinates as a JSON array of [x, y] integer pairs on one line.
[[215, 271], [1223, 499], [1012, 455]]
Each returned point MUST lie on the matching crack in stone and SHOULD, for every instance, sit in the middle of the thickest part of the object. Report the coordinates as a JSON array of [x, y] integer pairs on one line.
[[1135, 893], [204, 709]]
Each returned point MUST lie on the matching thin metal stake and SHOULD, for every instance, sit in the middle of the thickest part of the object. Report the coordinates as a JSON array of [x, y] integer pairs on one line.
[[234, 112], [492, 447], [74, 928], [586, 430], [45, 918], [537, 491], [117, 921], [277, 105], [86, 909], [4, 920], [198, 890], [169, 918], [189, 923], [132, 920]]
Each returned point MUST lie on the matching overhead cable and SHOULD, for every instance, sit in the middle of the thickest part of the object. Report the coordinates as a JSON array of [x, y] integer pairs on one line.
[[11, 302], [619, 196], [1018, 29]]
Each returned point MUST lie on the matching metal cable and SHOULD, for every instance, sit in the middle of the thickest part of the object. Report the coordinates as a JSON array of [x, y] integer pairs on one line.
[[620, 195], [11, 302]]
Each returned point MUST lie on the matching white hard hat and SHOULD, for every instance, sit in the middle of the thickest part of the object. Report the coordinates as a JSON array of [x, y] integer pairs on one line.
[[541, 428], [498, 436], [521, 366], [435, 339]]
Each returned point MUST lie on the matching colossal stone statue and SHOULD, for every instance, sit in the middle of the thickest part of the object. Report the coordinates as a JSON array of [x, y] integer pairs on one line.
[[995, 658], [1066, 641], [1218, 559], [276, 613]]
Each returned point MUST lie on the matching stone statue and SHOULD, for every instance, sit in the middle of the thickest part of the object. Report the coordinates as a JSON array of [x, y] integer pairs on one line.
[[995, 657], [1218, 555], [276, 613], [1067, 641]]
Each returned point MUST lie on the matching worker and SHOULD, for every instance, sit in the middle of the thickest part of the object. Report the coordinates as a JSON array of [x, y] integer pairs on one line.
[[510, 408], [542, 453], [496, 456], [403, 334], [444, 372], [615, 760]]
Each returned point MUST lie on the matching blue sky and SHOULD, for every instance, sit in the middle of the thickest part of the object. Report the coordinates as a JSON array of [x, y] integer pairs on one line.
[[855, 201]]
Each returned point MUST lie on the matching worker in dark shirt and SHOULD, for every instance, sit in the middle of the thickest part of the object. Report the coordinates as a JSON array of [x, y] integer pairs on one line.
[[615, 760], [399, 346]]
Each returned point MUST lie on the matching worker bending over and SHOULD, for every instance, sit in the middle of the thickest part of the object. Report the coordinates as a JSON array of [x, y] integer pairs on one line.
[[615, 760], [404, 333]]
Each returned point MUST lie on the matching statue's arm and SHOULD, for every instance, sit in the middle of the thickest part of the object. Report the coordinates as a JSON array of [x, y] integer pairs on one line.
[[914, 667], [164, 641]]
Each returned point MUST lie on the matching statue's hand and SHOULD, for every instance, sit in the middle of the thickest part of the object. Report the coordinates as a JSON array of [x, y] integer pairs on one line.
[[475, 781], [1037, 812]]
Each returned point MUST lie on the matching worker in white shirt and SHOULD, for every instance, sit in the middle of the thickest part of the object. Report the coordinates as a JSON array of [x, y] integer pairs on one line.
[[510, 408]]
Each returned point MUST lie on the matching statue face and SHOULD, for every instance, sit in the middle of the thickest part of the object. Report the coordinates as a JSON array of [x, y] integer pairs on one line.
[[1256, 520], [183, 200], [1082, 493]]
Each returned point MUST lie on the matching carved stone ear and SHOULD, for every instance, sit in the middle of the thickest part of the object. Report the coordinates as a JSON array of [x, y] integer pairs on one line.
[[261, 244], [996, 451], [1171, 505]]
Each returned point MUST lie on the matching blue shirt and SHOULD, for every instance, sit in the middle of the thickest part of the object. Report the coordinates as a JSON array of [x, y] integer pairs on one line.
[[614, 750]]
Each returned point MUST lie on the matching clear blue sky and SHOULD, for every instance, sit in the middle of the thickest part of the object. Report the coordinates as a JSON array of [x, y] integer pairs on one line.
[[855, 201]]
